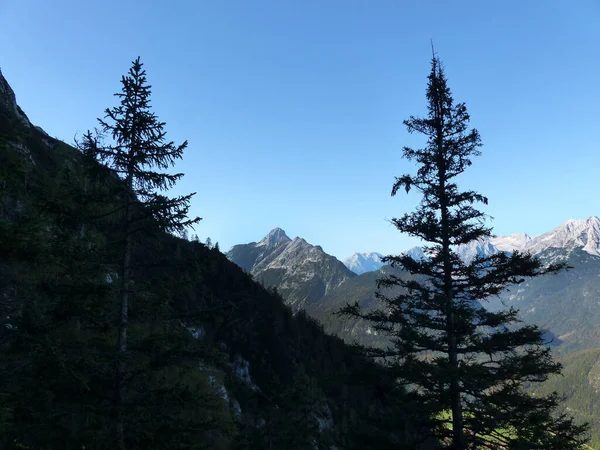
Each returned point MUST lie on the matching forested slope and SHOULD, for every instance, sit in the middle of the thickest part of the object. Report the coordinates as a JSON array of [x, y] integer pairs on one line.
[[215, 360]]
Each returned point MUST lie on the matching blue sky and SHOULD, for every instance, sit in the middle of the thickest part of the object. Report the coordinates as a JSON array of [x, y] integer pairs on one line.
[[293, 109]]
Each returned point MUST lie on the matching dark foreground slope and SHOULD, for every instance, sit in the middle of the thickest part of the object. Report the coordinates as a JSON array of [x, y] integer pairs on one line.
[[217, 361]]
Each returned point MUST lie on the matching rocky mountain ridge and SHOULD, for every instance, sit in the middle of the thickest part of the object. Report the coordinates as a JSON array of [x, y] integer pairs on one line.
[[568, 236], [566, 304], [8, 101], [302, 273]]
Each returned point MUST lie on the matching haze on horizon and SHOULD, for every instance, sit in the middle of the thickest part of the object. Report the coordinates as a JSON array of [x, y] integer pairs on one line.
[[294, 111]]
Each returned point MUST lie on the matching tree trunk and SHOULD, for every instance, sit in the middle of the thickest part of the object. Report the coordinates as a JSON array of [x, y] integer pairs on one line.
[[123, 322], [455, 403], [458, 438]]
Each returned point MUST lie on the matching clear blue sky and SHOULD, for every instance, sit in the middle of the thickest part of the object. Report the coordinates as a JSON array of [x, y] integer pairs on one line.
[[293, 109]]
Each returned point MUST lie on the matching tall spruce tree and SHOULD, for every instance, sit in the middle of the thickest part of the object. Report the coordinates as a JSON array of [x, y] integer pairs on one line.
[[58, 333], [467, 365], [139, 154]]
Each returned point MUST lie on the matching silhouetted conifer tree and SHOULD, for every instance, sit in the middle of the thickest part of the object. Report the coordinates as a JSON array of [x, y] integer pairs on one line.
[[139, 154], [455, 356]]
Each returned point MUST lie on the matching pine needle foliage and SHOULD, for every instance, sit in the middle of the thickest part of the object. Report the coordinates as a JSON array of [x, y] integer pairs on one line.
[[465, 365], [139, 153]]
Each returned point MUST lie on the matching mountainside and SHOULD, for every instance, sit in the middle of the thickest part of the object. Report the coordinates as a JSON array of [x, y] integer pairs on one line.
[[573, 234], [566, 304], [302, 273], [359, 289], [263, 377], [9, 106], [364, 262], [579, 384], [416, 253]]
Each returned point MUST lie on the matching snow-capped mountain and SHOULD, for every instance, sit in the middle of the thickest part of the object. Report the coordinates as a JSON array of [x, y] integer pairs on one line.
[[572, 234], [490, 246], [568, 236], [511, 242], [481, 247], [566, 304], [364, 262], [301, 272], [309, 278]]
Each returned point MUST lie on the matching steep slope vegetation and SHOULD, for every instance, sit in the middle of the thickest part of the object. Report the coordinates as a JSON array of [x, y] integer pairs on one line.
[[580, 385], [567, 304], [266, 378]]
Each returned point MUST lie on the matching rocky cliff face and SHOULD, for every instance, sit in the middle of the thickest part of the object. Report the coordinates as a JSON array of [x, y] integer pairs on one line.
[[302, 273], [8, 102]]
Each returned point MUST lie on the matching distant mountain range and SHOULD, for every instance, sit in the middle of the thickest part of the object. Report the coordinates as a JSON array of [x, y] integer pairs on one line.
[[573, 234], [567, 304]]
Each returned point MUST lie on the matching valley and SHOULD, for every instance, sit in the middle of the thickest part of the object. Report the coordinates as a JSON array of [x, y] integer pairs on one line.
[[566, 305]]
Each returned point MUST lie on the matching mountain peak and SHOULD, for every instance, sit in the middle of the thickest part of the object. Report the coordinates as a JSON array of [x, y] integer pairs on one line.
[[274, 238], [302, 273], [575, 224], [364, 262], [574, 233]]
